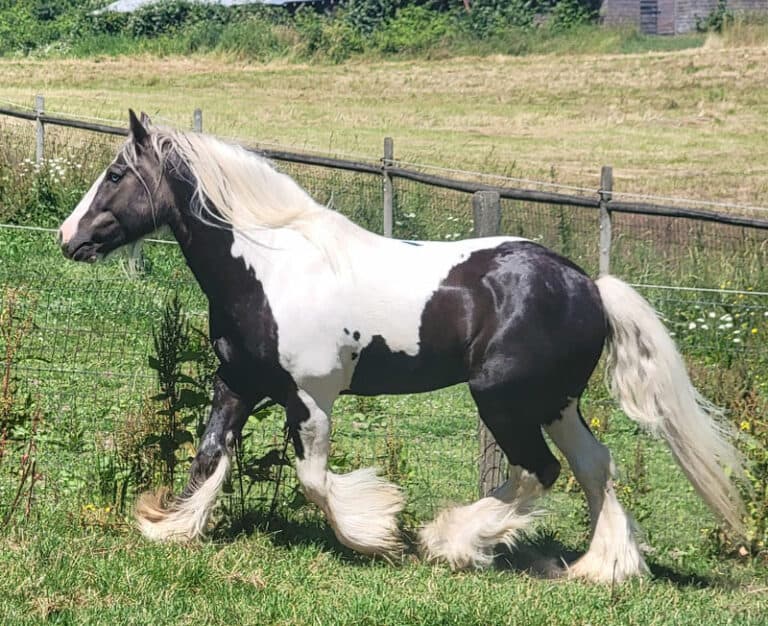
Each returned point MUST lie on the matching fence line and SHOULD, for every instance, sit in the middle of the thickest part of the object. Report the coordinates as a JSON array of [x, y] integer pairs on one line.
[[389, 169], [487, 214]]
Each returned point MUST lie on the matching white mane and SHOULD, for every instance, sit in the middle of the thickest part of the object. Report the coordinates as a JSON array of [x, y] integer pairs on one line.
[[244, 188]]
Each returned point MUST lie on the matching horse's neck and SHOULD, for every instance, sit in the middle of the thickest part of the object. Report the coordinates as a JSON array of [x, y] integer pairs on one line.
[[217, 254]]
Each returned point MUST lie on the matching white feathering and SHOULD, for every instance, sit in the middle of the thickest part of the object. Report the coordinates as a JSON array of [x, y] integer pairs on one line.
[[185, 518], [464, 537]]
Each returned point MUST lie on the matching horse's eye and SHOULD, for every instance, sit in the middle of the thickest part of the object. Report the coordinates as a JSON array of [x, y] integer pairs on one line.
[[115, 177]]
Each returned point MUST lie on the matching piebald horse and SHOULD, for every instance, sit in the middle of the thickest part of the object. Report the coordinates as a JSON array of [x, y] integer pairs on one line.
[[305, 305]]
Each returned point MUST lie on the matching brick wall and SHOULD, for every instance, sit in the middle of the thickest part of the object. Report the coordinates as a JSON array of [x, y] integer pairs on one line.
[[675, 16]]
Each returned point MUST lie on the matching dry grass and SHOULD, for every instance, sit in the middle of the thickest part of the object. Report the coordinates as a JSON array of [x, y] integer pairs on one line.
[[688, 123]]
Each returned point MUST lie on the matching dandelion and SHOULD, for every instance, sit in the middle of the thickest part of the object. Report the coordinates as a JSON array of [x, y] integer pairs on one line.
[[712, 315], [736, 340], [754, 331], [745, 426], [691, 325], [595, 422], [704, 327]]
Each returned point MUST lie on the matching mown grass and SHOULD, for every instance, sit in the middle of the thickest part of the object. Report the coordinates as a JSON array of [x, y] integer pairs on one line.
[[60, 574], [687, 123]]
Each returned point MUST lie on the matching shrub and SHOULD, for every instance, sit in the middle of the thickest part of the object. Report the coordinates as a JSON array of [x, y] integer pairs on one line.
[[412, 29]]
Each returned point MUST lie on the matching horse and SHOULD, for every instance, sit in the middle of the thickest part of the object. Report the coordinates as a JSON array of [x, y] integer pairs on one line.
[[304, 305]]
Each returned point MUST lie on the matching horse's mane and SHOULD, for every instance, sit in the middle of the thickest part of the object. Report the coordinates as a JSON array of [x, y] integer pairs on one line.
[[238, 187]]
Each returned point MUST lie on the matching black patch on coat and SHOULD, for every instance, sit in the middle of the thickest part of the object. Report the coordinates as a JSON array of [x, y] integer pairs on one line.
[[524, 326], [240, 314]]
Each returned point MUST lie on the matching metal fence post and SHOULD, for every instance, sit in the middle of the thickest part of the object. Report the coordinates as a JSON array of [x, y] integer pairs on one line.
[[40, 140], [606, 189], [197, 121], [486, 208], [389, 155]]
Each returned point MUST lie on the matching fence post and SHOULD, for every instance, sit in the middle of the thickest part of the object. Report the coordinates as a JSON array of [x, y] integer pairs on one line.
[[389, 155], [606, 189], [486, 208], [197, 121], [40, 140]]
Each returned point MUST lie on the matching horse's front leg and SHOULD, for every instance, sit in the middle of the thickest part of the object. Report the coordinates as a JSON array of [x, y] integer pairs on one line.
[[361, 507], [186, 517]]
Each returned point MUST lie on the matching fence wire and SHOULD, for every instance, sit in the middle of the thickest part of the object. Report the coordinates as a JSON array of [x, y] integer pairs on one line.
[[83, 365]]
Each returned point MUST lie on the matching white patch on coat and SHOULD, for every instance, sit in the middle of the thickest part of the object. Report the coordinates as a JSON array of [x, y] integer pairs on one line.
[[361, 507], [381, 290], [69, 227]]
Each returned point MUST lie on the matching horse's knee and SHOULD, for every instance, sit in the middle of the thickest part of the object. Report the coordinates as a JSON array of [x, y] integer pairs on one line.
[[548, 473]]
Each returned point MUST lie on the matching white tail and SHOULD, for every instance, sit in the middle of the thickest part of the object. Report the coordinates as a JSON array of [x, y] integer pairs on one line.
[[184, 518], [649, 379]]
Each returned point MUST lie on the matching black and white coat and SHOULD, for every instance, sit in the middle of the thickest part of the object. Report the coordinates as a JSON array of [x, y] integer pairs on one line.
[[305, 306]]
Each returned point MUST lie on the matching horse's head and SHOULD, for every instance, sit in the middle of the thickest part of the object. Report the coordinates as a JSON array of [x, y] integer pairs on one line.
[[129, 200]]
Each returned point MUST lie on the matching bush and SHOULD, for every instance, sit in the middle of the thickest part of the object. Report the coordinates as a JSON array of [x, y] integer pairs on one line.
[[321, 36], [717, 20], [413, 29]]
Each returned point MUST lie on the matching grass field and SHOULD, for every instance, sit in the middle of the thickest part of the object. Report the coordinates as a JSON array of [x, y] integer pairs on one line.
[[688, 123], [684, 123]]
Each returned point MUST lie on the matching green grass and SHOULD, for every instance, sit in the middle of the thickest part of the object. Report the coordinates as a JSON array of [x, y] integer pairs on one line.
[[72, 561], [85, 361], [59, 574]]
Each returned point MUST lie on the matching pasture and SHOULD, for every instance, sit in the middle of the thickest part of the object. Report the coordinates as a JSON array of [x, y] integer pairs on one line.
[[75, 559]]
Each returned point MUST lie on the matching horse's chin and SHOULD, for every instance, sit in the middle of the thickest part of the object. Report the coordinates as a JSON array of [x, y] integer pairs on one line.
[[87, 252]]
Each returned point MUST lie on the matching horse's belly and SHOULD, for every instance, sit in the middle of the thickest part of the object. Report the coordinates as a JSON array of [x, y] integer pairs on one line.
[[381, 371]]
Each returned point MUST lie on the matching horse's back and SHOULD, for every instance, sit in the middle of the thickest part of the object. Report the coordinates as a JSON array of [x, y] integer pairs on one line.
[[506, 311]]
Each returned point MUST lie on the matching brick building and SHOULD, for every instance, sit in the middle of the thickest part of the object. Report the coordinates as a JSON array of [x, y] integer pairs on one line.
[[669, 17]]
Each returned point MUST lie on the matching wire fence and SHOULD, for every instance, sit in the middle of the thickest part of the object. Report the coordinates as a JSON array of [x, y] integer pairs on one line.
[[84, 365]]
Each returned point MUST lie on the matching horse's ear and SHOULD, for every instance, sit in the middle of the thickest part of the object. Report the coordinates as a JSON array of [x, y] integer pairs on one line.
[[138, 131], [145, 121]]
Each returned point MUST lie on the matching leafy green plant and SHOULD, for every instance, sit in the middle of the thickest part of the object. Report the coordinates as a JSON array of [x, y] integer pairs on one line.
[[16, 315], [716, 20], [567, 14], [182, 397]]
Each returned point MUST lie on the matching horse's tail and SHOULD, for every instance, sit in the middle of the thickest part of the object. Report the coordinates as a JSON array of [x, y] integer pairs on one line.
[[184, 517], [649, 379]]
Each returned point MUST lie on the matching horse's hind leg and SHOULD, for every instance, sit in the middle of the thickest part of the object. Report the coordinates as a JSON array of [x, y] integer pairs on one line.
[[613, 553], [361, 507], [465, 536]]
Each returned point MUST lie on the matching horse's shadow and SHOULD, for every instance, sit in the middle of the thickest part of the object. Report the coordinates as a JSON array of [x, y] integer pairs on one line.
[[543, 556], [285, 532], [539, 555]]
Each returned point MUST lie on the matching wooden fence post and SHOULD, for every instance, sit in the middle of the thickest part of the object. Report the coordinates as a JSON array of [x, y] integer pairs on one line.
[[606, 188], [40, 140], [389, 155], [197, 121], [486, 208]]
